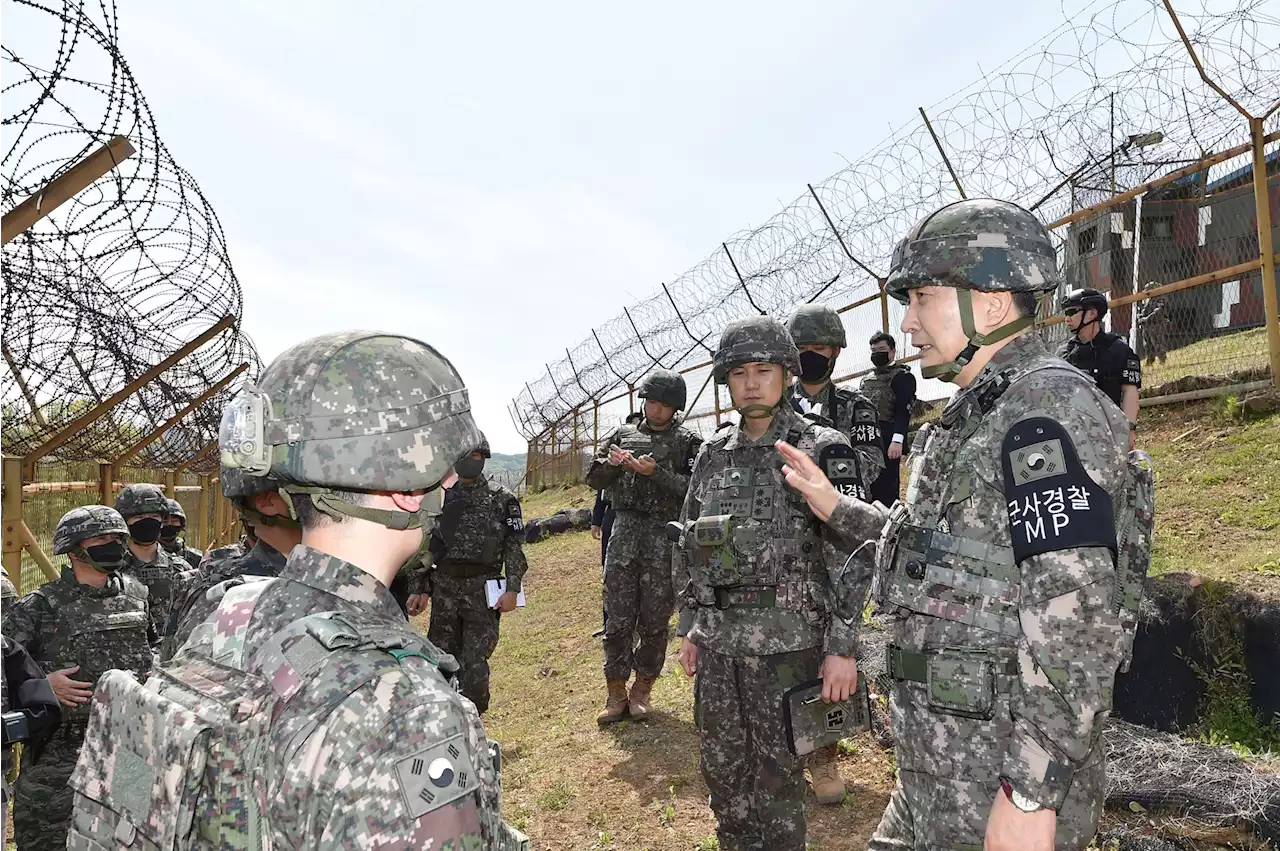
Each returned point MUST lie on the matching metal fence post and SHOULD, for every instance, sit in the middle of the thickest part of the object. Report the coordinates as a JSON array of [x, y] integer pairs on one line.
[[1262, 199], [12, 553], [202, 508]]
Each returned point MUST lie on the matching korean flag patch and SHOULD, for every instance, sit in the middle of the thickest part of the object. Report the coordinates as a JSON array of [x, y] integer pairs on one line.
[[840, 464], [436, 776]]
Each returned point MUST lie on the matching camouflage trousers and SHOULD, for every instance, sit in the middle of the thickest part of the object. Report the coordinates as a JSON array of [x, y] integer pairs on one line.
[[7, 792], [757, 784], [949, 775], [638, 599], [41, 798], [463, 625]]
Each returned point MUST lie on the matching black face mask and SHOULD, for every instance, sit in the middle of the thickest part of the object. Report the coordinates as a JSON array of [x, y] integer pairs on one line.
[[106, 557], [146, 531], [169, 534], [815, 367], [880, 359], [469, 468]]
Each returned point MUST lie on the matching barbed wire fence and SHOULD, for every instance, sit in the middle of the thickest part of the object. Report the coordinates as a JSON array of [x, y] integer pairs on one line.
[[122, 312], [1142, 166]]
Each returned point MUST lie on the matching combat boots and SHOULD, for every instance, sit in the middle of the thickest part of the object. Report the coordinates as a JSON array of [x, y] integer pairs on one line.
[[639, 700], [615, 708], [827, 783]]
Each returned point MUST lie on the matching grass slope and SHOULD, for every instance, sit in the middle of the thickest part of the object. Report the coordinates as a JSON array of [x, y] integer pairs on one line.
[[1217, 491], [1238, 351]]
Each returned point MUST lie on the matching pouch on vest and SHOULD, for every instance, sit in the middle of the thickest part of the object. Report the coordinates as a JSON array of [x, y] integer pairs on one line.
[[962, 682], [713, 551], [812, 724]]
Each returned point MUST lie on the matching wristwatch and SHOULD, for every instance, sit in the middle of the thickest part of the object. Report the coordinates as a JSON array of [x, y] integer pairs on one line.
[[1019, 800]]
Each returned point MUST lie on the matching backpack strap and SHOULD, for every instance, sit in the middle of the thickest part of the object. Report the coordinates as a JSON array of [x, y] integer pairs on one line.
[[230, 624]]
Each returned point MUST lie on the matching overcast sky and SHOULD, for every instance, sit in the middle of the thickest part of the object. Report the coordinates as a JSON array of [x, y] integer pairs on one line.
[[497, 178]]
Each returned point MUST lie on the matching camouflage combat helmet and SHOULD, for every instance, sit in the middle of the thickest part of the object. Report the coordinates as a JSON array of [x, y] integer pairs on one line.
[[237, 484], [142, 499], [88, 521], [1085, 298], [979, 244], [817, 325], [755, 339], [665, 386], [176, 510], [483, 447], [364, 411]]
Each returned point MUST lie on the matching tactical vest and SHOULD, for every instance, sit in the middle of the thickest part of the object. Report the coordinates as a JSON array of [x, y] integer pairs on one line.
[[472, 526], [922, 568], [634, 492], [181, 762], [749, 511], [841, 409], [98, 632], [1103, 361], [878, 388], [161, 579]]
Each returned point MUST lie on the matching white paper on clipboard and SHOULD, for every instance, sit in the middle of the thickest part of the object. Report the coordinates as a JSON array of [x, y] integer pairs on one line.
[[495, 588]]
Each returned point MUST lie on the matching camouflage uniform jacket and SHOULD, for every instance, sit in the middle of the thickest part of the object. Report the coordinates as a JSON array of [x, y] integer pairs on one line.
[[481, 528], [777, 541], [230, 551], [198, 598], [999, 579], [161, 578], [660, 494], [7, 589], [354, 777], [852, 414], [179, 550], [65, 623]]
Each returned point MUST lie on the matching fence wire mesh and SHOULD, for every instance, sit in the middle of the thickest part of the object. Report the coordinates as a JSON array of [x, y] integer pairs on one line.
[[1107, 102], [120, 276]]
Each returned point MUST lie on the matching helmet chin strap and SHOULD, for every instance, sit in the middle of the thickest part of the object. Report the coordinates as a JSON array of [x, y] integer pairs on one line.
[[949, 370], [1096, 320]]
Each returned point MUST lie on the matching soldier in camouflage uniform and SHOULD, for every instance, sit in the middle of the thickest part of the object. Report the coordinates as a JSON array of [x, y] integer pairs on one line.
[[7, 590], [258, 501], [819, 335], [89, 620], [766, 603], [892, 390], [1000, 574], [645, 468], [144, 508], [175, 524], [362, 740], [480, 537], [23, 688]]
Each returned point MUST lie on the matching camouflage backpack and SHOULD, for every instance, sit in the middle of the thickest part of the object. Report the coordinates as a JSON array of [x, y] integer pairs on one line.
[[145, 780]]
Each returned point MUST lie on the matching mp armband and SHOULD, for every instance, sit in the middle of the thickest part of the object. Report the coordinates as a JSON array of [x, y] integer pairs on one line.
[[1052, 502], [840, 465]]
